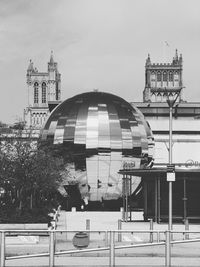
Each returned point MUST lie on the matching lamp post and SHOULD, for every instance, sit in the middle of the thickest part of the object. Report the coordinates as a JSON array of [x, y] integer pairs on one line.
[[172, 95], [170, 103]]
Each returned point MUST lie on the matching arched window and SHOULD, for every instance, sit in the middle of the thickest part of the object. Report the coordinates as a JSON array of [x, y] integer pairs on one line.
[[153, 76], [164, 76], [36, 92], [176, 76], [44, 94], [171, 76], [159, 76], [57, 91]]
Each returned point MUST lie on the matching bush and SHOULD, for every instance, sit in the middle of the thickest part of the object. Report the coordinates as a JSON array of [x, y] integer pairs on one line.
[[29, 216]]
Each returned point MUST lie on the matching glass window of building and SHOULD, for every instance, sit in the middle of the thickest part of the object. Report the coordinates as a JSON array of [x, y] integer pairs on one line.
[[176, 76], [57, 91], [36, 92], [153, 76], [171, 76], [159, 76], [164, 76], [43, 92]]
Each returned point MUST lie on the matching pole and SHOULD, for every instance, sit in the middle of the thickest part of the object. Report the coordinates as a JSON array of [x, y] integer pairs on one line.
[[186, 228], [119, 233], [126, 198], [170, 134], [170, 162], [130, 192], [151, 229], [123, 197], [51, 249], [88, 226], [106, 238], [112, 249], [2, 262], [167, 249]]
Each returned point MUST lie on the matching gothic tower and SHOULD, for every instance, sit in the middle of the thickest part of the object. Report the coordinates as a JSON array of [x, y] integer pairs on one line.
[[159, 77], [44, 90]]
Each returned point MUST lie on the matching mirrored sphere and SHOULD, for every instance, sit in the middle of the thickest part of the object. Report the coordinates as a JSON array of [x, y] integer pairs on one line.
[[102, 133]]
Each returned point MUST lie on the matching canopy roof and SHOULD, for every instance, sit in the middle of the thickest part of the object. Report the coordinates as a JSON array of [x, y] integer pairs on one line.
[[160, 171]]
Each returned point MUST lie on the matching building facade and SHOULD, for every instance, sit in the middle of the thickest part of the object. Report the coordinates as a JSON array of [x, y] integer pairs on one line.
[[185, 144], [162, 76], [44, 91]]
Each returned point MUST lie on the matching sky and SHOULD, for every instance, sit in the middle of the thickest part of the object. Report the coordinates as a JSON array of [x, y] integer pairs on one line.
[[98, 44]]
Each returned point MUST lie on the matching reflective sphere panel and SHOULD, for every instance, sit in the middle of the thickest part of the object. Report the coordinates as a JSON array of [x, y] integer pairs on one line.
[[102, 132]]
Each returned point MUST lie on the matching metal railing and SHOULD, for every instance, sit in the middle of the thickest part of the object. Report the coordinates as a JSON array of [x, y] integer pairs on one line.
[[111, 243]]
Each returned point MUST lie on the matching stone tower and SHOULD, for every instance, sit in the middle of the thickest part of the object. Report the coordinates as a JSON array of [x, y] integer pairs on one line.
[[159, 77], [44, 92]]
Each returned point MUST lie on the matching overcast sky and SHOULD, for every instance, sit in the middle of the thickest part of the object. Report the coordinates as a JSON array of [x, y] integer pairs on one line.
[[97, 43]]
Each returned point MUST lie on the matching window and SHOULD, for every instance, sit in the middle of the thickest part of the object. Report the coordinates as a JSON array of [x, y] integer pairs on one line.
[[171, 76], [158, 76], [153, 76], [35, 92], [176, 76], [164, 76], [44, 92], [57, 91]]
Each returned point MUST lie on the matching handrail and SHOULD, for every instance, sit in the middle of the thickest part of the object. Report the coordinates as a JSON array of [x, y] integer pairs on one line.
[[110, 244]]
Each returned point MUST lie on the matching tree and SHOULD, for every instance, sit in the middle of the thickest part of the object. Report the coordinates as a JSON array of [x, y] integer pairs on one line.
[[30, 176], [18, 125]]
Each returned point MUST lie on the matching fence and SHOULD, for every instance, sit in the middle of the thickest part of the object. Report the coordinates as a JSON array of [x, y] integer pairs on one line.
[[112, 240]]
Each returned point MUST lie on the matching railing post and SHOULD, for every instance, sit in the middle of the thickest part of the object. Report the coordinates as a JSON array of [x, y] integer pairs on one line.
[[66, 225], [158, 236], [119, 233], [186, 228], [2, 262], [167, 248], [51, 249], [106, 238], [112, 249], [151, 229], [88, 226], [122, 213]]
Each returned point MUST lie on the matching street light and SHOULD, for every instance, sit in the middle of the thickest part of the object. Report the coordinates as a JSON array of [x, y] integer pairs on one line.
[[172, 96]]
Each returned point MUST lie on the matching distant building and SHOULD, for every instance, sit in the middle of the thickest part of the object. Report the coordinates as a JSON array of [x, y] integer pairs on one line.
[[185, 144], [186, 115], [44, 93], [162, 76]]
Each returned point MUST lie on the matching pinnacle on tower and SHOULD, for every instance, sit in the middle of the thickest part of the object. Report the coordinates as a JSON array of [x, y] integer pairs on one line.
[[180, 59], [51, 58], [175, 58], [30, 66], [148, 60], [176, 55]]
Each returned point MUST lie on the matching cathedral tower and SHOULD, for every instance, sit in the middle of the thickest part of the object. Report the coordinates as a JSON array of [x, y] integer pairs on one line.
[[44, 90], [159, 77]]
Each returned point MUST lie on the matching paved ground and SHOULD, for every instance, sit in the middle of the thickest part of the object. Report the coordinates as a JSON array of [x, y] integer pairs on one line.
[[182, 254], [103, 261]]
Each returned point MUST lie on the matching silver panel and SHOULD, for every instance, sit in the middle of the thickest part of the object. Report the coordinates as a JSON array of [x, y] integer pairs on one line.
[[102, 131]]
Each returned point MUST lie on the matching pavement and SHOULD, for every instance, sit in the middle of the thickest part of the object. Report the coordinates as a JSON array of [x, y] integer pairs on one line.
[[182, 254]]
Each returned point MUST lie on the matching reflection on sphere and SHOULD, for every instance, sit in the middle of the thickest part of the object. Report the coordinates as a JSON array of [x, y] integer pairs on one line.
[[102, 132]]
